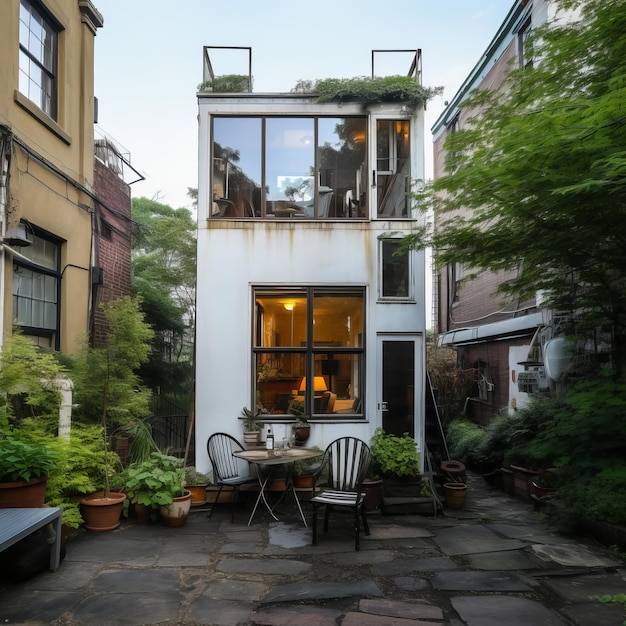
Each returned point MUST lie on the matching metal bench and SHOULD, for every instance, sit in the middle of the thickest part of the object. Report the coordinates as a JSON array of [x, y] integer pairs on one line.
[[16, 524]]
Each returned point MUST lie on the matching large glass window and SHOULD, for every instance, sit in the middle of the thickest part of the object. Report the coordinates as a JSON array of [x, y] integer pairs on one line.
[[393, 168], [289, 167], [38, 57], [36, 290], [308, 351]]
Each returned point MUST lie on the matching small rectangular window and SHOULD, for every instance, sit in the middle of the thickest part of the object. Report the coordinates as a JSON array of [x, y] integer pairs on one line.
[[38, 57], [394, 271]]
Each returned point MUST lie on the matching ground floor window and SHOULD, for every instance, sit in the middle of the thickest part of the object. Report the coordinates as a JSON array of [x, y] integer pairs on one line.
[[36, 281], [308, 350]]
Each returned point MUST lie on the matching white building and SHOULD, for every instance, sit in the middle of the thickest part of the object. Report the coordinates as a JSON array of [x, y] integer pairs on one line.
[[301, 205]]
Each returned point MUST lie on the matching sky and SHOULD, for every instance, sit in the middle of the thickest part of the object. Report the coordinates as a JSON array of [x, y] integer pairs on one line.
[[149, 58]]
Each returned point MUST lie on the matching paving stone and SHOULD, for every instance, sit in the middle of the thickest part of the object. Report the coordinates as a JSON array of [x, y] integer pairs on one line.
[[227, 589], [205, 610], [513, 531], [480, 610], [478, 581], [366, 557], [410, 583], [511, 560], [248, 535], [581, 588], [283, 567], [473, 539], [129, 609], [596, 614], [189, 556], [363, 619], [241, 547], [137, 552], [39, 606], [301, 615], [396, 608], [289, 535], [156, 581], [400, 567], [397, 531], [69, 577], [574, 556], [295, 592]]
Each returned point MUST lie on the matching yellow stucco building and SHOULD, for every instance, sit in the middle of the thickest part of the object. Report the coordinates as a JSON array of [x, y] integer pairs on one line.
[[47, 200]]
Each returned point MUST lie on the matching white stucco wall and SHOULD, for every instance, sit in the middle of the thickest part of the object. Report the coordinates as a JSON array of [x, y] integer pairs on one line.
[[235, 255]]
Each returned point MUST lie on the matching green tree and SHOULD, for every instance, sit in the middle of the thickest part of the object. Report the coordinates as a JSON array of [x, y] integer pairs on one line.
[[536, 181], [107, 388], [164, 274]]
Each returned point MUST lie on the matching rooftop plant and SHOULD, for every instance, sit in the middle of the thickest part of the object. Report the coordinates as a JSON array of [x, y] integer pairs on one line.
[[228, 83], [369, 90]]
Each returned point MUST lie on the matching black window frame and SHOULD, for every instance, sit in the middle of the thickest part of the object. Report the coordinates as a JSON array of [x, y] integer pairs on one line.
[[21, 261]]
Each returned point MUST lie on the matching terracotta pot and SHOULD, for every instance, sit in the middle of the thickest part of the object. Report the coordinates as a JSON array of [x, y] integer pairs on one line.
[[251, 438], [198, 494], [23, 494], [100, 513], [522, 480], [373, 494], [455, 494], [175, 515], [306, 481], [301, 434], [142, 513]]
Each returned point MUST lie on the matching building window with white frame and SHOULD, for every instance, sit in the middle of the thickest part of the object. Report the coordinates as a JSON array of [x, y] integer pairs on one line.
[[39, 34], [36, 282]]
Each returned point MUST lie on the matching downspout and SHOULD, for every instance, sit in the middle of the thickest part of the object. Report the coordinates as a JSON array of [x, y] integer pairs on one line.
[[5, 160]]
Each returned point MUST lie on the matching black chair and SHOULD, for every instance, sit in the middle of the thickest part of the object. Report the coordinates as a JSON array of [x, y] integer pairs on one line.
[[228, 470], [344, 466]]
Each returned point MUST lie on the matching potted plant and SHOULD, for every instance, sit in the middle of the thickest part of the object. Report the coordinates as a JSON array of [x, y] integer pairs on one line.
[[301, 428], [24, 469], [108, 388], [251, 428], [303, 471], [397, 460], [158, 484], [196, 482]]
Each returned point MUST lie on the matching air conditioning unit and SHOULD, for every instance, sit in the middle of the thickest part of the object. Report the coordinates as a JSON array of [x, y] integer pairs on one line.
[[532, 381]]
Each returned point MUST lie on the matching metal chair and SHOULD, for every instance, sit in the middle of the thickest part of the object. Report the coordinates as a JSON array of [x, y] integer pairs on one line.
[[228, 470], [345, 464]]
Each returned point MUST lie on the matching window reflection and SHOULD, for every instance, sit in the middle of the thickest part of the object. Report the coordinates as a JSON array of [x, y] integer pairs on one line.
[[394, 270], [393, 172], [308, 350], [313, 168], [236, 172]]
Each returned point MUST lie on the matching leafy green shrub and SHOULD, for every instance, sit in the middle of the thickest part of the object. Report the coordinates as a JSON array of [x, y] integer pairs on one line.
[[464, 442], [22, 459], [155, 482], [395, 456]]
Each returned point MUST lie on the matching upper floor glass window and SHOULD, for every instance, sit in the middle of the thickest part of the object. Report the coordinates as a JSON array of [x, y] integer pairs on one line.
[[36, 290], [289, 167], [38, 57], [393, 168], [308, 351]]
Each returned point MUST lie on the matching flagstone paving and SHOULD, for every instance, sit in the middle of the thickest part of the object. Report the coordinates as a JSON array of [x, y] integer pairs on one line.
[[494, 563]]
